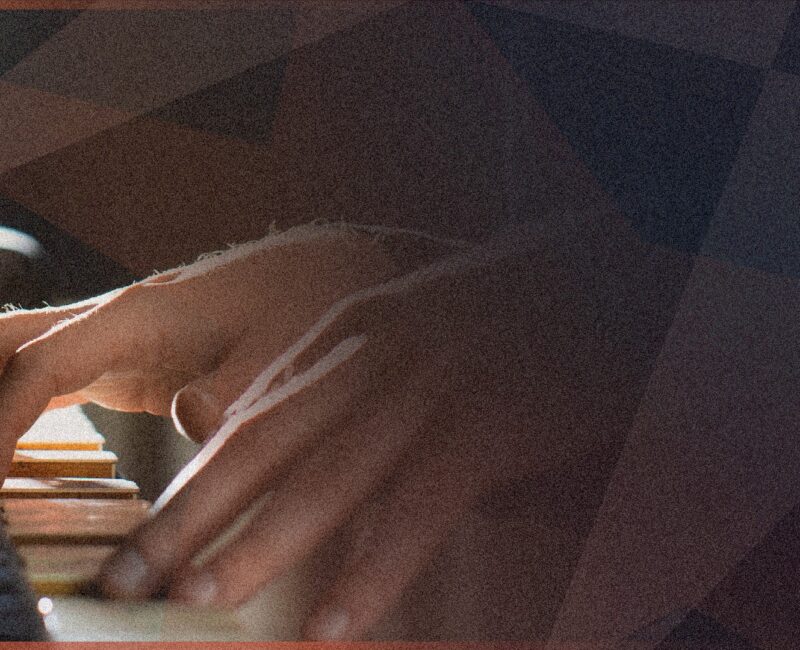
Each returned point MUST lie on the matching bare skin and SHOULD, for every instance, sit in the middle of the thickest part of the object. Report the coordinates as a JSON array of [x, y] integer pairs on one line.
[[357, 386]]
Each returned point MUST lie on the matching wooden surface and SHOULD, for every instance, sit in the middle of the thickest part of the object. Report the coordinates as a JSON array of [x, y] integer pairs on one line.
[[65, 513], [57, 521], [53, 463], [68, 488]]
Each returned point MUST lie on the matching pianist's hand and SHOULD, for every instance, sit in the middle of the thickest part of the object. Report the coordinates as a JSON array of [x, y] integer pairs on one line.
[[390, 418], [132, 349], [403, 405]]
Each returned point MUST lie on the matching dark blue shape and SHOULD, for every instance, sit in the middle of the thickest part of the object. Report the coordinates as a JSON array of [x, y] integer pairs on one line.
[[787, 59], [659, 127], [22, 32], [242, 106]]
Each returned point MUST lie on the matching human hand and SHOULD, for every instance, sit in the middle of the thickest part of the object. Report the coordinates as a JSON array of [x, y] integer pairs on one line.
[[132, 349], [391, 415]]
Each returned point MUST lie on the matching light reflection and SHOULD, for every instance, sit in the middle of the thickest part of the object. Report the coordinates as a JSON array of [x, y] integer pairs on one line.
[[19, 242], [45, 606]]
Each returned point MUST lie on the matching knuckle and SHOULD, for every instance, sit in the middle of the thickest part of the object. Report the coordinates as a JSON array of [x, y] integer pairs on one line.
[[36, 363], [156, 546], [22, 364], [140, 311], [143, 300], [137, 299]]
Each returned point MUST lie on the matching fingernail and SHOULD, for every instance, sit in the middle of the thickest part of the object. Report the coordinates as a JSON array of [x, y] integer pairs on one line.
[[195, 413], [125, 574], [201, 590], [332, 627]]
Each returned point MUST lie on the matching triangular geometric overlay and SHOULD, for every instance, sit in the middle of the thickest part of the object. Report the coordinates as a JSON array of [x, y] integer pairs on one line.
[[710, 463], [700, 632], [71, 268], [739, 30], [787, 58], [241, 107], [23, 31], [658, 126], [755, 224], [760, 597], [688, 630]]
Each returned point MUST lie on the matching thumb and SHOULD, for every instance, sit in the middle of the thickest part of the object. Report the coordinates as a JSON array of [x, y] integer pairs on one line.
[[195, 412], [198, 408]]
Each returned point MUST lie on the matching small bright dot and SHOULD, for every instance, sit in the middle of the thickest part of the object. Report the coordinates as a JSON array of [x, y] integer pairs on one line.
[[45, 606]]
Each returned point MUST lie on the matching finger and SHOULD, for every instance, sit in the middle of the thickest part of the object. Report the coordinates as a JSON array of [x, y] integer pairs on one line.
[[197, 409], [21, 326], [148, 390], [250, 371], [227, 474], [63, 401], [398, 535], [129, 331], [66, 358], [317, 497]]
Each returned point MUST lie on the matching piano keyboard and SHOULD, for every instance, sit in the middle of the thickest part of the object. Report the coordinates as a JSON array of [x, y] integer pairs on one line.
[[63, 512], [64, 509], [66, 428], [68, 488], [53, 463]]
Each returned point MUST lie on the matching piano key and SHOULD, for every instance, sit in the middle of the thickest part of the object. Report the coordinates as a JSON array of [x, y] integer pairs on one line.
[[49, 463], [55, 521], [63, 571], [66, 428], [75, 618], [68, 488]]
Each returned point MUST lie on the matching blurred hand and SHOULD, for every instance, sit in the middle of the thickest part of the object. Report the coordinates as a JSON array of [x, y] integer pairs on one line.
[[389, 406], [132, 349]]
